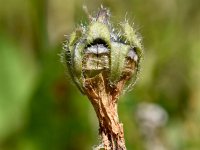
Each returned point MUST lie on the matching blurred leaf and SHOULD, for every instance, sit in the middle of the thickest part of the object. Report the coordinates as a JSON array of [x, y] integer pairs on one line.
[[17, 79]]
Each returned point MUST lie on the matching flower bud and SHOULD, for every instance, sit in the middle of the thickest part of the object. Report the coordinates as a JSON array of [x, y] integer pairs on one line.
[[98, 49]]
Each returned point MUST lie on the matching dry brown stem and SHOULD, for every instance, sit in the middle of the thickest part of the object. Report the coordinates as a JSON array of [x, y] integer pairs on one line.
[[104, 99]]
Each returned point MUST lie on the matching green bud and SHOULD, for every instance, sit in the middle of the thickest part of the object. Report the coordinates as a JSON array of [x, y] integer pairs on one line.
[[98, 48]]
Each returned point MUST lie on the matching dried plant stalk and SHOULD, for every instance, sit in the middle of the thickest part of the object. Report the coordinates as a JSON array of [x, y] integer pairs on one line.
[[104, 100]]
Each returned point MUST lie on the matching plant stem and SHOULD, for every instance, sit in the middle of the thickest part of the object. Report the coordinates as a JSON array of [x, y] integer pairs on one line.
[[104, 100]]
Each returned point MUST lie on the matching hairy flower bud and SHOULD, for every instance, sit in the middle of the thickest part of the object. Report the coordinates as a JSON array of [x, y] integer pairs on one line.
[[97, 48]]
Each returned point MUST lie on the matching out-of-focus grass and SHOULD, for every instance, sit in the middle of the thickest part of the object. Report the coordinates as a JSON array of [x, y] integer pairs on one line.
[[41, 109]]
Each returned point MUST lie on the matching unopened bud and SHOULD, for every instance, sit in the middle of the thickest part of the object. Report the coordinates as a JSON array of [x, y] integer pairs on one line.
[[98, 48]]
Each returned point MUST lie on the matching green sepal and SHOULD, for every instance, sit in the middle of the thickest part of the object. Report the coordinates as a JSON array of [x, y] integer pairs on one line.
[[71, 71], [98, 30], [130, 36], [77, 56], [74, 37], [118, 55]]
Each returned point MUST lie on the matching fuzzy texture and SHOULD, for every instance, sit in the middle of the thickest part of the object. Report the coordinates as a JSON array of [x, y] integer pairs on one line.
[[118, 44], [103, 63]]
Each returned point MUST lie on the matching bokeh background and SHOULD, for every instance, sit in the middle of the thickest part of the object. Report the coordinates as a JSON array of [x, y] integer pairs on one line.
[[40, 108]]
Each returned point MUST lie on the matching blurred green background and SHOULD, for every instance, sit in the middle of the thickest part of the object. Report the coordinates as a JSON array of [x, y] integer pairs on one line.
[[40, 108]]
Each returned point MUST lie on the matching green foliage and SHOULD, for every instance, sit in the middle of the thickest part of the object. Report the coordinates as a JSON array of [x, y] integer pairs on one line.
[[15, 88]]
